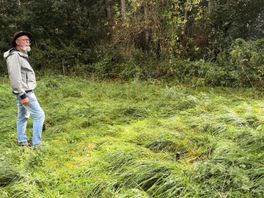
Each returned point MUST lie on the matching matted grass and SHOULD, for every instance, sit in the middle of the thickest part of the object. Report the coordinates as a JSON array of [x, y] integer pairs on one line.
[[135, 139]]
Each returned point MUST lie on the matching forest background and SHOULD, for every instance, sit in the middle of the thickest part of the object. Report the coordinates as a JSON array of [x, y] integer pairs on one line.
[[202, 42]]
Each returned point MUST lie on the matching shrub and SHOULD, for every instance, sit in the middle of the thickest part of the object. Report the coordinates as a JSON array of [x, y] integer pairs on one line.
[[243, 64]]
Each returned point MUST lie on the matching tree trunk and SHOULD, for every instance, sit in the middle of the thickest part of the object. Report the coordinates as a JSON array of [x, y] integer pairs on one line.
[[186, 16], [187, 26], [146, 28], [211, 5], [108, 11], [123, 9]]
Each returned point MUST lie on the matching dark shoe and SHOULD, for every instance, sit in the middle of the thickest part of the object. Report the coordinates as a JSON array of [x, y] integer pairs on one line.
[[44, 127], [24, 144]]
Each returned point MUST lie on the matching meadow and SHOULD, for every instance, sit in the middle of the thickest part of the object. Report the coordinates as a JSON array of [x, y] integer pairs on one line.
[[135, 139]]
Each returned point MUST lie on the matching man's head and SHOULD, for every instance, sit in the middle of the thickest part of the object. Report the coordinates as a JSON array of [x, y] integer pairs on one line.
[[21, 41]]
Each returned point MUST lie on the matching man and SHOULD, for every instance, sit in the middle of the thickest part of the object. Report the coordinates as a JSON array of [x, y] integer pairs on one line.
[[23, 82]]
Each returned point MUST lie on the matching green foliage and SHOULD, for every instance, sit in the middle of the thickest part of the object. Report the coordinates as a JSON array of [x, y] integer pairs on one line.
[[240, 66], [192, 41], [62, 41], [243, 63], [229, 22]]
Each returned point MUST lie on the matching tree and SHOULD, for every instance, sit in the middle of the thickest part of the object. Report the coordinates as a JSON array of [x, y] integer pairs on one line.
[[211, 4], [234, 19], [123, 9], [109, 14]]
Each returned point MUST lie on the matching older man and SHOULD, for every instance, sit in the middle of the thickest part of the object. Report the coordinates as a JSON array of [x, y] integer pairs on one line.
[[23, 82]]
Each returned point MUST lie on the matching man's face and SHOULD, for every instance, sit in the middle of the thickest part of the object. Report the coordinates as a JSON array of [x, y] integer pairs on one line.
[[23, 43]]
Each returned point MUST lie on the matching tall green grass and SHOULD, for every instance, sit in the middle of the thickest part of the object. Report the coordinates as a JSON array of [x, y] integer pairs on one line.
[[135, 139]]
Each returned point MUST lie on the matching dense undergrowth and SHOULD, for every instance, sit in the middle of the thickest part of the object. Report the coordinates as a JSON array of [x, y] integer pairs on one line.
[[135, 139]]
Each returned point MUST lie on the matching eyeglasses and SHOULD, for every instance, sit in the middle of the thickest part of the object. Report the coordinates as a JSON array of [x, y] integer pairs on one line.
[[25, 40]]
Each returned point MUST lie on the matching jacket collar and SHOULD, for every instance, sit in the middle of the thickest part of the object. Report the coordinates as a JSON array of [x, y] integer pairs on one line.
[[14, 50], [23, 54]]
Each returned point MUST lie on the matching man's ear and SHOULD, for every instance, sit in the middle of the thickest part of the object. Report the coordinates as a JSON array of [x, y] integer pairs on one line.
[[17, 41]]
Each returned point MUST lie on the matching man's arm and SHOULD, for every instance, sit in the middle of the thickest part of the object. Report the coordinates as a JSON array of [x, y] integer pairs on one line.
[[14, 71]]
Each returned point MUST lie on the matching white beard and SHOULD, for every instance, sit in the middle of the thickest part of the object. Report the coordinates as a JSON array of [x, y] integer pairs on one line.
[[26, 49]]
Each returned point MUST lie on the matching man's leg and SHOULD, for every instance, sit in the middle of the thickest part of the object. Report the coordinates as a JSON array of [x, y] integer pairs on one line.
[[38, 117], [23, 115]]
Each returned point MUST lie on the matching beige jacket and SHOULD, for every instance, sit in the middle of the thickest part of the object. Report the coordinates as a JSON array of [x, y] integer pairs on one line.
[[21, 74]]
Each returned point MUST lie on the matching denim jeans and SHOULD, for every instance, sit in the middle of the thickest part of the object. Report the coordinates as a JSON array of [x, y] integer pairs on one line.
[[38, 115]]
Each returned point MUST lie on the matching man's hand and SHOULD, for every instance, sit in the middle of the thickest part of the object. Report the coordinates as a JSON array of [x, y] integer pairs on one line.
[[25, 101]]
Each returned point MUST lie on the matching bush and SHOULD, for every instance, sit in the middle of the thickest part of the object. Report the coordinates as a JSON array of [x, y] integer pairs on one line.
[[240, 66], [243, 63]]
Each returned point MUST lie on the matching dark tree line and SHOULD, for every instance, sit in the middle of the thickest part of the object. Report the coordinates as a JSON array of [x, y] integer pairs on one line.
[[77, 34]]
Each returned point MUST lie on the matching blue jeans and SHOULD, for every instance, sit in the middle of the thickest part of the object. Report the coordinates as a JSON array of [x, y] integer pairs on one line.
[[38, 115]]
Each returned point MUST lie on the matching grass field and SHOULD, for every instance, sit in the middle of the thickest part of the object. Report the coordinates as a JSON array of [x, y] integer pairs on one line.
[[135, 139]]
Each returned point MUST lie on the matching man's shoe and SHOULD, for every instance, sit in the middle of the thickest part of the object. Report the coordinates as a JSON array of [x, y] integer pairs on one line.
[[44, 127], [24, 144]]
